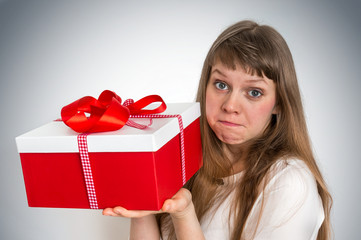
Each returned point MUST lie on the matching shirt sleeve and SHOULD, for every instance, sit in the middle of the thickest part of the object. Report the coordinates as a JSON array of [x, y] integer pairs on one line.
[[288, 208]]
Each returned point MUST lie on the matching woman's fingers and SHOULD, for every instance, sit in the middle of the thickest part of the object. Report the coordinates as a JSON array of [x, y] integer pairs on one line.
[[109, 212], [122, 212]]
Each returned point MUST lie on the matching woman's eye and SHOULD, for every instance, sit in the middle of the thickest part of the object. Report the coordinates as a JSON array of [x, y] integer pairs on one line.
[[255, 93], [221, 85]]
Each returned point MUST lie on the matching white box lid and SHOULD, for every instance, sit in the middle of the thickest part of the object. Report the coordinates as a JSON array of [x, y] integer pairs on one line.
[[56, 137]]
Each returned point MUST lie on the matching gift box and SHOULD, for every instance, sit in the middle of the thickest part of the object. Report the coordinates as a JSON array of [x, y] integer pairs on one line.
[[134, 168]]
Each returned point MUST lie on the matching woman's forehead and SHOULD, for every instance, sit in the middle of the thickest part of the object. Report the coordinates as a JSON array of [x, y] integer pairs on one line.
[[236, 65], [250, 59]]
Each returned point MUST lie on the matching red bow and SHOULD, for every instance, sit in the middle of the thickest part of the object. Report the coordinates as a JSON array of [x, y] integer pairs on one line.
[[106, 113]]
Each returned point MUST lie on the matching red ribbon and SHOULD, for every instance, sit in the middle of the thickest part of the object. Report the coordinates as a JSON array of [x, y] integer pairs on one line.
[[107, 112]]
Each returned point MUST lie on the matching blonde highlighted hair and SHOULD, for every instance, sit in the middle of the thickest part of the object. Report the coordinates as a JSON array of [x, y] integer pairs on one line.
[[260, 50]]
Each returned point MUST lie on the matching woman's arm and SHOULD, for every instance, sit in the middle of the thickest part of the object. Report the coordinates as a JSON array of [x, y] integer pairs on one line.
[[144, 228], [183, 215]]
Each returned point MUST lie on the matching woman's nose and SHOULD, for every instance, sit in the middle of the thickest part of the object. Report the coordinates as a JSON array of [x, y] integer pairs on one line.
[[232, 104]]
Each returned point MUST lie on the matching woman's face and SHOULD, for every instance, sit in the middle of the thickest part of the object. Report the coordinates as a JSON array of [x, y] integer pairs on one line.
[[239, 106]]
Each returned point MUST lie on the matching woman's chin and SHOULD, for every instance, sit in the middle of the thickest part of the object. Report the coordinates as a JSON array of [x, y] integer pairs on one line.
[[231, 141]]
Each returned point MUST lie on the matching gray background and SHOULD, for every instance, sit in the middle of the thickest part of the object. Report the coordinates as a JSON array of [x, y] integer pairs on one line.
[[53, 52]]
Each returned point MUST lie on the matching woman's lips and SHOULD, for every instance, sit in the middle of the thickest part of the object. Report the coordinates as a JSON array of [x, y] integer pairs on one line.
[[230, 124]]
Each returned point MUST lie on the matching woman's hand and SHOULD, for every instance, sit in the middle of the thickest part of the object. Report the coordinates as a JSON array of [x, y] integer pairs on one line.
[[178, 206], [181, 209]]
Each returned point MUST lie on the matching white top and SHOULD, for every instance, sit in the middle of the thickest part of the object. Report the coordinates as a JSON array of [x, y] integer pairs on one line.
[[292, 208]]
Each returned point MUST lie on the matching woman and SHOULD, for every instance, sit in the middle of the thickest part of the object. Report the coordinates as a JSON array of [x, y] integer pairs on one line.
[[260, 179]]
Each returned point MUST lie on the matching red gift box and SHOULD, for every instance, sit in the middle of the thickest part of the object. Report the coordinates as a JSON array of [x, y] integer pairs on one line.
[[132, 168]]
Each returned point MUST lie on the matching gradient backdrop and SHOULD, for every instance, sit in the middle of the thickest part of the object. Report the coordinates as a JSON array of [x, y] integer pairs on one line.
[[53, 52]]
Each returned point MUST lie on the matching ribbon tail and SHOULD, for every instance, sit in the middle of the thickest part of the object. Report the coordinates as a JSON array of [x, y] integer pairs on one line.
[[87, 170], [131, 123]]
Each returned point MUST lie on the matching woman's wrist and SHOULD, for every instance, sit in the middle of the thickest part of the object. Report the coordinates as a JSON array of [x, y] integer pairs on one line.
[[186, 224], [144, 227], [142, 219]]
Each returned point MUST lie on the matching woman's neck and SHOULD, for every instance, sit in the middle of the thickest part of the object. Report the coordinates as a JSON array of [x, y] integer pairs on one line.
[[236, 154]]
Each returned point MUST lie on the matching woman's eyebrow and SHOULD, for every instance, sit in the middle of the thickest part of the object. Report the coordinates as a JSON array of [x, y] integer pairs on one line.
[[219, 72], [257, 80]]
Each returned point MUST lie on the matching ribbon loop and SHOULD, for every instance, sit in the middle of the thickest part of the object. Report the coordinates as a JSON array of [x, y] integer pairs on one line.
[[106, 113], [137, 107]]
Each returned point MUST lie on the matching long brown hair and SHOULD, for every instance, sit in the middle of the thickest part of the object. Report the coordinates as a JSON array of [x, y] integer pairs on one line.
[[261, 50]]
